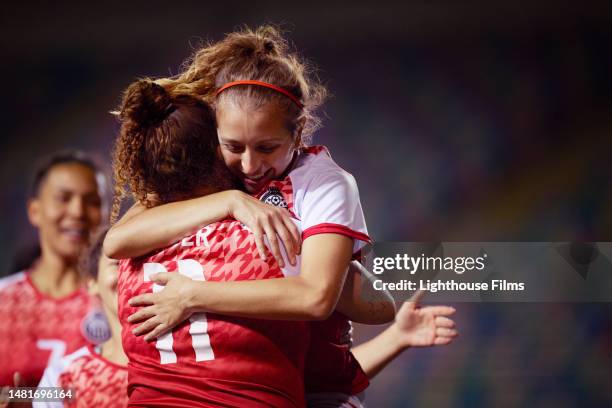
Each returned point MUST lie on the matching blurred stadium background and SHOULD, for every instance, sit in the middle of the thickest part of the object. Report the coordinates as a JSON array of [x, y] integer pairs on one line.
[[487, 121]]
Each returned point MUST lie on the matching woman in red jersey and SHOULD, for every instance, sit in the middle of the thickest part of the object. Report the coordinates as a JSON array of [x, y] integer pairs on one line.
[[46, 311], [94, 375], [264, 101], [171, 153]]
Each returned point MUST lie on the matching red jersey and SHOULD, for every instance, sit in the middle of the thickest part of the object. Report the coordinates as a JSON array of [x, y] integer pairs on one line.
[[35, 327], [93, 380], [324, 199], [212, 360]]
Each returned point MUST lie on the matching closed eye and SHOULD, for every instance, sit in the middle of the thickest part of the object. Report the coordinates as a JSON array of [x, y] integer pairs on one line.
[[267, 149], [233, 148]]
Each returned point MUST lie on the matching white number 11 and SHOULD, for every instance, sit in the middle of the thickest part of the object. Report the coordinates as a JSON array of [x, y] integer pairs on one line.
[[199, 325]]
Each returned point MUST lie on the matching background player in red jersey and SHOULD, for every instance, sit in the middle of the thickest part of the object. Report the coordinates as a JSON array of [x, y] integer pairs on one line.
[[96, 375], [45, 310], [260, 132]]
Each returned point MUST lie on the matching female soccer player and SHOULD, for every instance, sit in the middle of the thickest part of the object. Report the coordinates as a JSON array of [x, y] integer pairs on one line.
[[170, 152], [45, 310], [96, 376], [264, 101]]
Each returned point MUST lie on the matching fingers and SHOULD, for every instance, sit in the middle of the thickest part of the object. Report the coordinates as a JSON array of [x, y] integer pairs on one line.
[[146, 327], [273, 243], [441, 321], [288, 239], [295, 234], [444, 332], [417, 296], [160, 330], [141, 315], [439, 310], [273, 223], [259, 242], [441, 341], [161, 278], [142, 300]]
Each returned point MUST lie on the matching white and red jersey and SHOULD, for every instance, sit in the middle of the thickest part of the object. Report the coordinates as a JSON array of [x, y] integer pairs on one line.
[[212, 360], [92, 380], [35, 327], [324, 199]]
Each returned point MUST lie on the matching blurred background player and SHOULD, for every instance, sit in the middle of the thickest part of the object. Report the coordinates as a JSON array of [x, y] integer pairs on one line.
[[46, 312], [97, 375]]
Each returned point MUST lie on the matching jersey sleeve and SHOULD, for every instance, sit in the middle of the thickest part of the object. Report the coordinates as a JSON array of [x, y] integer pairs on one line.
[[50, 379], [331, 205]]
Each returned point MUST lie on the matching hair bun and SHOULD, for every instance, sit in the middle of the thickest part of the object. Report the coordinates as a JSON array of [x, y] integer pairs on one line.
[[146, 103]]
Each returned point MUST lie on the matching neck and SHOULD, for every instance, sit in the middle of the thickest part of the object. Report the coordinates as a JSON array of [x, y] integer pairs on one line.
[[296, 155], [54, 275], [112, 349]]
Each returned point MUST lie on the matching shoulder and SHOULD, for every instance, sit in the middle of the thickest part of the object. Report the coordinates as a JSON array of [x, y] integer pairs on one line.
[[59, 366], [12, 280], [67, 360], [316, 167]]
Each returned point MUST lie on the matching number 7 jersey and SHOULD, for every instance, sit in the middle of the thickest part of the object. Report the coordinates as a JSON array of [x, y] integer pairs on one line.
[[212, 360]]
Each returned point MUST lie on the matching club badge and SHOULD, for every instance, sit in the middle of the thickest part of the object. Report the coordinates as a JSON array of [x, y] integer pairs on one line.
[[95, 328], [274, 197]]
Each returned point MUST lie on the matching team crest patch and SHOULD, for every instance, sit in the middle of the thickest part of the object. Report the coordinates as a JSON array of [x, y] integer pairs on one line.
[[274, 197], [95, 328]]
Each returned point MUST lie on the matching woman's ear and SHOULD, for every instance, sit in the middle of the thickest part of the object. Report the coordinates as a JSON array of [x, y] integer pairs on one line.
[[33, 207]]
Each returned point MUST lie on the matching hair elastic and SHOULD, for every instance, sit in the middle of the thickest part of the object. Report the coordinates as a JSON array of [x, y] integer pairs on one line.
[[265, 85]]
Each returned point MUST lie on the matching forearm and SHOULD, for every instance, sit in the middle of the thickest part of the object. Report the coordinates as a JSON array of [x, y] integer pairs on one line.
[[310, 296], [360, 302], [377, 353], [291, 298], [163, 225]]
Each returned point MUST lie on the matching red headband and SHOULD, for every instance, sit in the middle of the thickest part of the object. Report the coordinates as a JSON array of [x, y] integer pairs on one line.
[[265, 85]]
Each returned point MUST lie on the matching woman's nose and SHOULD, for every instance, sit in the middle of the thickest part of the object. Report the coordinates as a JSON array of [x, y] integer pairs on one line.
[[250, 163]]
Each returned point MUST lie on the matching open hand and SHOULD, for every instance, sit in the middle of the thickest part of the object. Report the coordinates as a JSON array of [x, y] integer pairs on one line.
[[418, 326], [163, 310], [271, 222]]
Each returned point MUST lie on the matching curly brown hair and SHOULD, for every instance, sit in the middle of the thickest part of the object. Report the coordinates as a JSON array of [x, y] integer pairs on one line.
[[264, 55], [167, 148]]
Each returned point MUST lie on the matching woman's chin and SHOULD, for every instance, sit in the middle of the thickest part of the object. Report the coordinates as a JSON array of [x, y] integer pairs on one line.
[[254, 186]]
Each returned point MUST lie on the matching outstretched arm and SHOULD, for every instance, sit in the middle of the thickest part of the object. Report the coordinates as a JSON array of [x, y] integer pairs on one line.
[[312, 295], [414, 326], [142, 230], [360, 302]]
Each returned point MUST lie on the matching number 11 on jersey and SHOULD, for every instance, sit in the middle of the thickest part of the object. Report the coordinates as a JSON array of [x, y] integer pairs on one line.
[[199, 325]]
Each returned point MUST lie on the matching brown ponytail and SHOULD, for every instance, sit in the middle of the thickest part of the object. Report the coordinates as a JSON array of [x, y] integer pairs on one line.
[[166, 149]]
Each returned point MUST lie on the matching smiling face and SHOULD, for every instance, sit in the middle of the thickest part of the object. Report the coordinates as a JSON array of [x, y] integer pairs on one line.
[[256, 144], [66, 209]]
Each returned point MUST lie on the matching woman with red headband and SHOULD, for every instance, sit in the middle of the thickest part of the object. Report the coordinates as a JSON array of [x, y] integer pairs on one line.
[[264, 100]]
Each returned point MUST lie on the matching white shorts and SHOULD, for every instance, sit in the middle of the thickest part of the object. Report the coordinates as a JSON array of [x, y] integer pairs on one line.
[[335, 400]]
